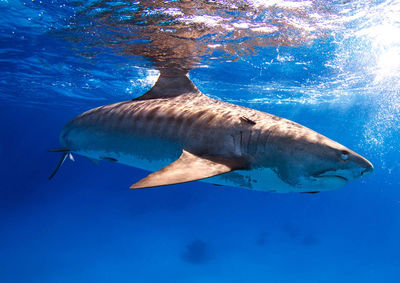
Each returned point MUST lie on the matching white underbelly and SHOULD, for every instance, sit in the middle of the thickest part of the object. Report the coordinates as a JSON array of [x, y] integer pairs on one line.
[[263, 179], [127, 159]]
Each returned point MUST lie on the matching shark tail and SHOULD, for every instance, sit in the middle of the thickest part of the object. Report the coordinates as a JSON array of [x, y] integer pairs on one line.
[[65, 153]]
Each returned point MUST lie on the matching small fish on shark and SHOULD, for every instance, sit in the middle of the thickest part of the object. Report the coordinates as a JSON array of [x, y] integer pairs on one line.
[[182, 135]]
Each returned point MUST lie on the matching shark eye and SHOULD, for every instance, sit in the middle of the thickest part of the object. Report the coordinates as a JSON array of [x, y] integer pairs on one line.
[[344, 155]]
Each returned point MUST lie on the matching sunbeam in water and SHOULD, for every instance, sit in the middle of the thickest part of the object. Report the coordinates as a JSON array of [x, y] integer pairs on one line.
[[332, 66]]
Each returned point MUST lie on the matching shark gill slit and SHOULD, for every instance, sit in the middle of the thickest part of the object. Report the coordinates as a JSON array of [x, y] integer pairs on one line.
[[255, 142], [234, 143], [268, 135], [241, 142], [248, 141], [264, 139]]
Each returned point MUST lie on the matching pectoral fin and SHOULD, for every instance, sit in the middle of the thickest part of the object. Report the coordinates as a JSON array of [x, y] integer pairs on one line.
[[188, 167]]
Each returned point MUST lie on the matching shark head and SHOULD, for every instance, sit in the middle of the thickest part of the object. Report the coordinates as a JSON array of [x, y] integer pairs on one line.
[[310, 162]]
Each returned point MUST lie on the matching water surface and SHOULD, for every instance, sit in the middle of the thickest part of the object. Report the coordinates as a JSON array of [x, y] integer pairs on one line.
[[333, 67]]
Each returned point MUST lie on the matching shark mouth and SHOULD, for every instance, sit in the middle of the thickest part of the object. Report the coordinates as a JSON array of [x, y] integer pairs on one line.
[[330, 174]]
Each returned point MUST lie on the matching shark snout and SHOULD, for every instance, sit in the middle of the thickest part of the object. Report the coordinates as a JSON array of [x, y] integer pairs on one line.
[[364, 166], [367, 169], [357, 167]]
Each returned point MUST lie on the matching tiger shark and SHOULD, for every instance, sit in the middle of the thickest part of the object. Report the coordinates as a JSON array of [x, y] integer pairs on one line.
[[182, 135]]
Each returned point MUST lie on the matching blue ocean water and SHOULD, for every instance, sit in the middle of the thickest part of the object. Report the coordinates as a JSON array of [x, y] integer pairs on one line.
[[333, 67]]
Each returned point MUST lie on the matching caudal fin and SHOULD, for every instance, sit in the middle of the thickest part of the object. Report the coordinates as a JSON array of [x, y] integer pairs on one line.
[[65, 154]]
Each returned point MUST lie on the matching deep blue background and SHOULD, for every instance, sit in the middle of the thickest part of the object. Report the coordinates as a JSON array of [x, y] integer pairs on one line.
[[87, 226]]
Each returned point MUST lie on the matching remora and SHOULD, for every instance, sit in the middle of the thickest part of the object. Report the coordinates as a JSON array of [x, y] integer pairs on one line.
[[183, 135]]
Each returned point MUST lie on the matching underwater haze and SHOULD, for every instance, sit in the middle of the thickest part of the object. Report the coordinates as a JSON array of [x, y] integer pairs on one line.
[[333, 66]]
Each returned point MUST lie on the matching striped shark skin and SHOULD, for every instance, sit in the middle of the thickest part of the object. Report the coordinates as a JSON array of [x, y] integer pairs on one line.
[[183, 135]]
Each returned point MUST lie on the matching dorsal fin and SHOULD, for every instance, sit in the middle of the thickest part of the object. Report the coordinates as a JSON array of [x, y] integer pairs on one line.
[[169, 84]]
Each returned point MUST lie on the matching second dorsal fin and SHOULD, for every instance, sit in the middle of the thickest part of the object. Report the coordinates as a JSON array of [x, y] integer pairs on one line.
[[169, 84]]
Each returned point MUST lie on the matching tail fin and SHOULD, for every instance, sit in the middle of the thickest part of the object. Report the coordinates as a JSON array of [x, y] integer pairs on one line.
[[65, 154], [63, 149]]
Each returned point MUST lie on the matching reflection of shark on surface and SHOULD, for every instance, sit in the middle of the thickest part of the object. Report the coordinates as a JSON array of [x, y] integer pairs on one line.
[[183, 135]]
